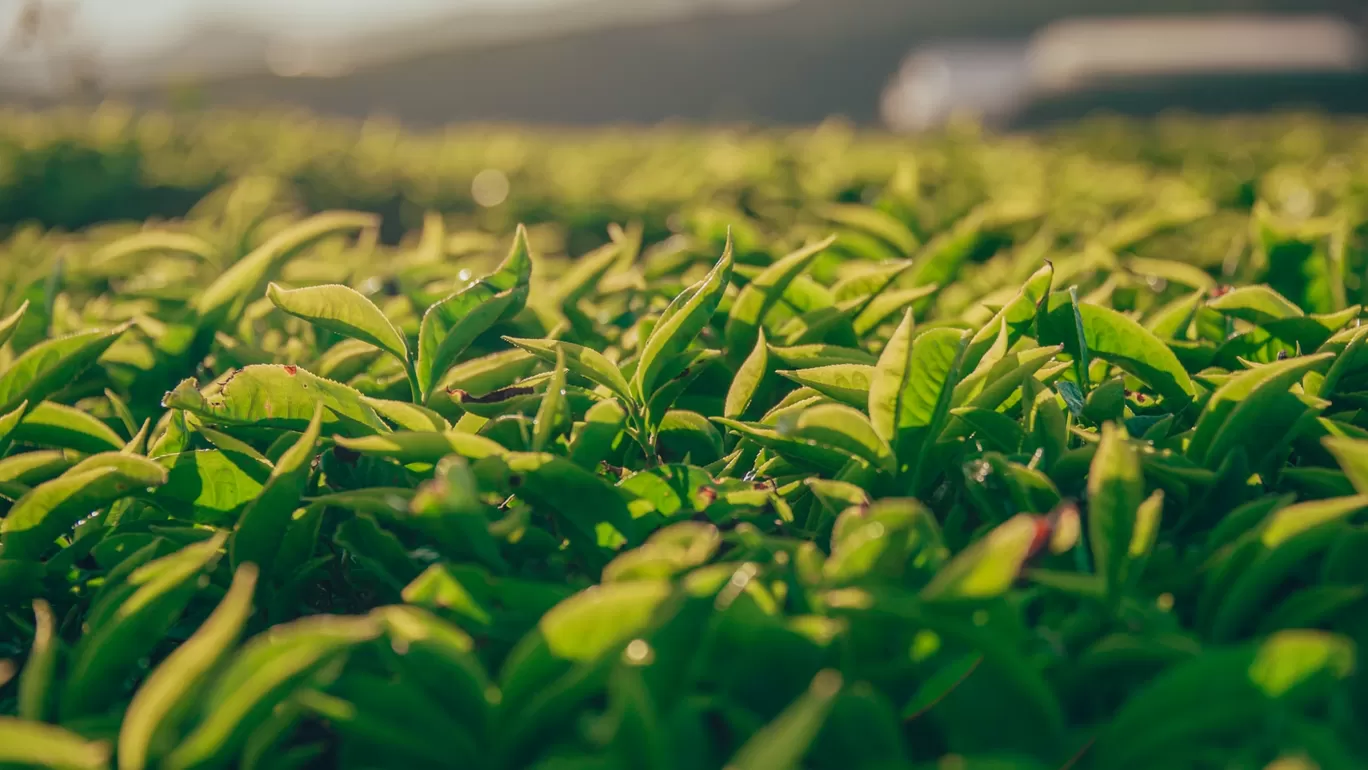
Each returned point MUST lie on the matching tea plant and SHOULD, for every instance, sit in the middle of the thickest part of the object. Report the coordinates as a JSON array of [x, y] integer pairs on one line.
[[822, 483]]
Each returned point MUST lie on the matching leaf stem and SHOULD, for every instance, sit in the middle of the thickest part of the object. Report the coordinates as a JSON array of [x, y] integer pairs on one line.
[[1082, 342], [414, 388]]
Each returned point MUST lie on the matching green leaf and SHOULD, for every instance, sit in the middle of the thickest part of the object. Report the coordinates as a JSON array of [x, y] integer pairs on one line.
[[822, 458], [910, 392], [996, 429], [11, 419], [121, 411], [270, 396], [10, 323], [211, 485], [516, 268], [583, 276], [440, 659], [1256, 304], [749, 375], [1283, 542], [376, 715], [164, 698], [53, 507], [990, 565], [36, 683], [407, 416], [682, 434], [1119, 340], [1247, 394], [1352, 455], [342, 310], [1207, 696], [781, 744], [261, 528], [1006, 672], [840, 427], [592, 621], [756, 298], [847, 383], [427, 447], [34, 744], [227, 295], [1172, 321], [553, 414], [109, 259], [133, 625], [677, 327], [600, 434], [65, 427], [818, 354], [871, 220], [1171, 271], [452, 324], [577, 497], [270, 668], [868, 280], [1116, 488], [53, 364], [583, 361], [37, 466], [378, 550], [685, 368]]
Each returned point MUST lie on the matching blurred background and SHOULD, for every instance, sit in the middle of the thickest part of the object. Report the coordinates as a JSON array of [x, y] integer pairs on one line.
[[908, 65]]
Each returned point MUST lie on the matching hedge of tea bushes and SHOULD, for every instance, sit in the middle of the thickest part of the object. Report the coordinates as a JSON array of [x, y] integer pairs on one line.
[[752, 449]]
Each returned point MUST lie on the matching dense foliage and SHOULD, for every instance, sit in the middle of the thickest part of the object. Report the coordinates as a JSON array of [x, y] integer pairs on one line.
[[831, 452]]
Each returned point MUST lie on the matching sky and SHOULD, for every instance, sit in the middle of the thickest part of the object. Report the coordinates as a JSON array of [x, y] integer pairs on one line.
[[132, 27]]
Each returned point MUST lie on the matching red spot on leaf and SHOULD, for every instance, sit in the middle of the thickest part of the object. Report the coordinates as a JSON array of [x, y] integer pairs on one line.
[[290, 369], [1043, 529]]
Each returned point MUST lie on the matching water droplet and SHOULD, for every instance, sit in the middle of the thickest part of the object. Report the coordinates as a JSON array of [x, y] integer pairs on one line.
[[639, 653]]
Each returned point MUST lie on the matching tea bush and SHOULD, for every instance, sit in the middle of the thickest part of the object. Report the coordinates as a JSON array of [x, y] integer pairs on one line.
[[756, 450]]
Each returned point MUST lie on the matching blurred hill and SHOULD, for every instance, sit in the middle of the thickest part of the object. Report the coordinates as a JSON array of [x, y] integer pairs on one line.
[[614, 61]]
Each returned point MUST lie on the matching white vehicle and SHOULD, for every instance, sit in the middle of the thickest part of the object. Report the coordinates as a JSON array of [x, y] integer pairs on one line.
[[1227, 63]]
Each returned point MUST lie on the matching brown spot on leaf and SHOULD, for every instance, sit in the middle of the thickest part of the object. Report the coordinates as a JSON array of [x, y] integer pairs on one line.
[[492, 397]]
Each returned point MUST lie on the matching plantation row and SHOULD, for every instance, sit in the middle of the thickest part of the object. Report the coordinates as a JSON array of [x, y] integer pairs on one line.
[[835, 452], [74, 168]]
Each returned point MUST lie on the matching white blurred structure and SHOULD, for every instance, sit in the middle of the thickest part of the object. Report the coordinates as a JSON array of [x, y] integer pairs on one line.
[[993, 82]]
